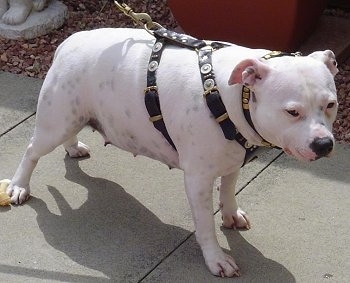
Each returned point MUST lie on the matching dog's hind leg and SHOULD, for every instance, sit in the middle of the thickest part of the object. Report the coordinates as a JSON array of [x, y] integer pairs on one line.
[[75, 148], [48, 134]]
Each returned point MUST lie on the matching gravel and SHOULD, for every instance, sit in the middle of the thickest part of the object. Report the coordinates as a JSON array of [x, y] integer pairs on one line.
[[33, 57]]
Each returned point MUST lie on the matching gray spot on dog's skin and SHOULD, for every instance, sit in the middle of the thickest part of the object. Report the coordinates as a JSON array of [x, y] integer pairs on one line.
[[78, 79], [197, 98], [195, 108], [144, 151], [74, 111], [63, 86], [190, 129], [155, 144], [128, 113], [71, 84], [77, 101], [188, 110], [133, 147], [49, 103]]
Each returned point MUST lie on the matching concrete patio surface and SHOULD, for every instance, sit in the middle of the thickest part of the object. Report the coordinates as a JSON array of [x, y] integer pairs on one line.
[[116, 218]]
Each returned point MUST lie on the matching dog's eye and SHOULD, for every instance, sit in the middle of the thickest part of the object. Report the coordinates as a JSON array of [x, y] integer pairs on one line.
[[330, 105], [294, 113]]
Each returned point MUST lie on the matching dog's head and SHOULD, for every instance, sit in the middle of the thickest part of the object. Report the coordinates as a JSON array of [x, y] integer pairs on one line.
[[294, 101]]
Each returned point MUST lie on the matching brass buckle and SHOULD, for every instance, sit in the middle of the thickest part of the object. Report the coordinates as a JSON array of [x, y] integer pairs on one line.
[[222, 117], [155, 118], [150, 88], [209, 91], [267, 144]]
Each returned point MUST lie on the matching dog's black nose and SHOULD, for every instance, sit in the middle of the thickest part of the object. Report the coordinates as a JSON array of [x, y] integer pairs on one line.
[[322, 146]]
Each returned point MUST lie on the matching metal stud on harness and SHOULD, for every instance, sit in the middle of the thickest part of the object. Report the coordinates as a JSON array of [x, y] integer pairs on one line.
[[211, 93]]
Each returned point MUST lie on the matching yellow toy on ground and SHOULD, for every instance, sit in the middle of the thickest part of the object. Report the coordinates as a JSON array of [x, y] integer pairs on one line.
[[4, 198]]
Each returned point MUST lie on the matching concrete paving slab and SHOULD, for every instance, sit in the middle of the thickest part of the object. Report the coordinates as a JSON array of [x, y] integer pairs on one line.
[[300, 228], [18, 99], [109, 218]]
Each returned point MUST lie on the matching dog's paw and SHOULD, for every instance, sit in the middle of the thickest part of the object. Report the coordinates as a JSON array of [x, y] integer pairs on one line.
[[223, 265], [236, 219], [78, 150], [18, 194]]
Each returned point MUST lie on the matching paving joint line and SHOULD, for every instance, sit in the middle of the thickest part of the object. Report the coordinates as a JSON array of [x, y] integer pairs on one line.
[[17, 124], [261, 171], [166, 257], [254, 177]]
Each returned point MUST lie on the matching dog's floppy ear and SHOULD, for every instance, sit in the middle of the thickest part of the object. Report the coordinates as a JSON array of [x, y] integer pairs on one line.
[[328, 58], [248, 71]]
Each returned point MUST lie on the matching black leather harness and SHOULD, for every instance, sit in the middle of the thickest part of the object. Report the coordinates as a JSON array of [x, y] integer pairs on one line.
[[211, 93]]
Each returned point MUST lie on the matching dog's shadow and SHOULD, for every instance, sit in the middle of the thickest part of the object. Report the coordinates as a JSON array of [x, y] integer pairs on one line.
[[102, 234], [115, 234], [254, 266]]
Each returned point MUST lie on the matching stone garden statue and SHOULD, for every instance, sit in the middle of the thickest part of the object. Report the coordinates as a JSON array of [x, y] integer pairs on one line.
[[14, 12], [26, 19]]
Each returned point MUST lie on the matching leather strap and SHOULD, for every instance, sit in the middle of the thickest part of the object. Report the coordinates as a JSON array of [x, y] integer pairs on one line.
[[212, 95], [151, 92]]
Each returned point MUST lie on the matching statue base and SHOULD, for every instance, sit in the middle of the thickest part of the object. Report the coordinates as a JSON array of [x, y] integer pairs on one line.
[[37, 23]]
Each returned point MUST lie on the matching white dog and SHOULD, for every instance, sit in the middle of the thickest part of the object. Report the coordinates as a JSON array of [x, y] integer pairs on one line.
[[98, 79]]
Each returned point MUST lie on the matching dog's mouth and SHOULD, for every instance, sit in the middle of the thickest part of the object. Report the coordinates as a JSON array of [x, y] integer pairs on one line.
[[301, 155]]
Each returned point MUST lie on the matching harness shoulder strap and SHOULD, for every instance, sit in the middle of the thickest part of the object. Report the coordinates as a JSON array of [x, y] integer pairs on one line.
[[212, 95], [151, 91]]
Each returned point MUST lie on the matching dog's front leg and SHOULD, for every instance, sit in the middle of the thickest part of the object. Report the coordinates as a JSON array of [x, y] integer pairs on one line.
[[199, 189], [232, 215]]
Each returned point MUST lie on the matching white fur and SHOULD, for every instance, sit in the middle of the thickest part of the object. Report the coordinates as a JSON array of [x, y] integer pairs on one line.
[[99, 76]]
